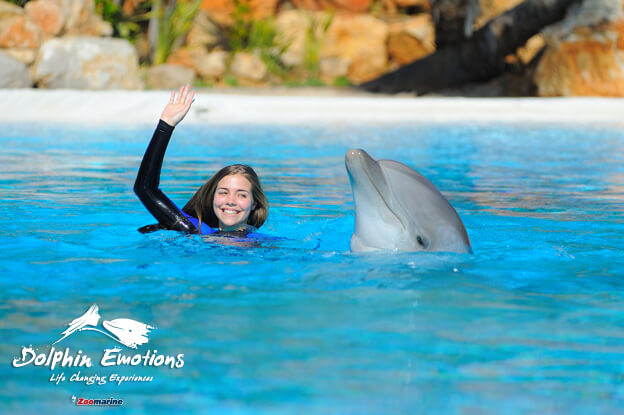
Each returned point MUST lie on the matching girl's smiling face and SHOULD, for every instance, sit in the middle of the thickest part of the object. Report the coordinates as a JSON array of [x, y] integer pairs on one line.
[[233, 202]]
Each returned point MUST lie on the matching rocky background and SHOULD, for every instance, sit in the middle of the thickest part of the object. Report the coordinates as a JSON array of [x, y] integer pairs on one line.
[[134, 44]]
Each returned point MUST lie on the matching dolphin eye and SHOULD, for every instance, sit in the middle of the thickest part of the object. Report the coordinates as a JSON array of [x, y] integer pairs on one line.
[[420, 241]]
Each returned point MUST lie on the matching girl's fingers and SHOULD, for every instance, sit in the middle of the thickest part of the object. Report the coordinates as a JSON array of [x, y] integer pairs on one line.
[[189, 98], [184, 94], [172, 97]]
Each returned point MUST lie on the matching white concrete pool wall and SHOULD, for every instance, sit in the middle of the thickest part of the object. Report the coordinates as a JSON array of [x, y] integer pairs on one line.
[[240, 107]]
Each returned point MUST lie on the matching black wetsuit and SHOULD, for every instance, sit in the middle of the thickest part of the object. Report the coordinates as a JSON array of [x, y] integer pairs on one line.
[[169, 216]]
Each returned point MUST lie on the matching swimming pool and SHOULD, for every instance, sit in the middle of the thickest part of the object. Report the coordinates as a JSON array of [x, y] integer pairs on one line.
[[533, 322]]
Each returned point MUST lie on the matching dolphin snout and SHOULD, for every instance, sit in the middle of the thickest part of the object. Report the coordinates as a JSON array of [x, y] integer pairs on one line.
[[362, 168], [354, 153], [357, 155]]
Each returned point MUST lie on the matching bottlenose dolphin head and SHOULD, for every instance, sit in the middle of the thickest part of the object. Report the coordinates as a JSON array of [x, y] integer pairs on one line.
[[397, 208]]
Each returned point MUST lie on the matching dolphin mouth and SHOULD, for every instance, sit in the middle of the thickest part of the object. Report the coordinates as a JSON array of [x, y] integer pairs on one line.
[[108, 325], [359, 160]]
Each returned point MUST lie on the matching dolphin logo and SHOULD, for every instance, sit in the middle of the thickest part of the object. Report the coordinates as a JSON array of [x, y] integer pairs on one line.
[[397, 208], [126, 331]]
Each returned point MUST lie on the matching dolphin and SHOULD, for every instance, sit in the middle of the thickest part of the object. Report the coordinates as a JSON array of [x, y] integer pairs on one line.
[[397, 208], [128, 332]]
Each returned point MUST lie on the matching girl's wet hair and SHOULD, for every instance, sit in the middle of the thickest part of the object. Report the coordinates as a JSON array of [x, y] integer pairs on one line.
[[200, 205]]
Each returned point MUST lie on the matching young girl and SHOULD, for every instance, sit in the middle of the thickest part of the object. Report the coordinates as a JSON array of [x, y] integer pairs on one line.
[[230, 201]]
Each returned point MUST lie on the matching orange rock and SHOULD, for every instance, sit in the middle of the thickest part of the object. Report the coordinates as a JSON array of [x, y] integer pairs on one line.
[[221, 11], [261, 9], [356, 6], [309, 4], [359, 40], [411, 39], [19, 32], [190, 57], [588, 63], [209, 66], [47, 14], [531, 48]]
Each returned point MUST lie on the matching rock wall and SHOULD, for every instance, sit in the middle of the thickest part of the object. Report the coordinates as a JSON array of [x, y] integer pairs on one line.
[[333, 40], [66, 44], [63, 44]]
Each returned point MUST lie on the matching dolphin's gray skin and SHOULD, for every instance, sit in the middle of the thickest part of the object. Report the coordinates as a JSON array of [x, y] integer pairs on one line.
[[397, 208]]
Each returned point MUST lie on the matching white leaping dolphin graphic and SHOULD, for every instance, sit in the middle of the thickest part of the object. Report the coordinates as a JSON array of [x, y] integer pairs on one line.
[[397, 208], [126, 331]]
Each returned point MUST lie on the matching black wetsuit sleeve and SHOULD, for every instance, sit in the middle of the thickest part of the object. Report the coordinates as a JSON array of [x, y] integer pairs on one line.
[[146, 186]]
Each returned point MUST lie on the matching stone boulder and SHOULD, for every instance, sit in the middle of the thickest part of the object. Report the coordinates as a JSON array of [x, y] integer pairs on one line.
[[87, 63], [587, 63], [209, 66], [168, 76], [294, 28], [81, 18], [20, 36], [13, 74], [187, 56], [411, 39], [248, 67], [204, 32], [359, 40], [19, 32], [213, 66], [25, 56], [47, 14]]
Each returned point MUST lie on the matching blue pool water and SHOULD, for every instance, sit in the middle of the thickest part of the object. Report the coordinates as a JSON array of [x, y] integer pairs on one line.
[[532, 323]]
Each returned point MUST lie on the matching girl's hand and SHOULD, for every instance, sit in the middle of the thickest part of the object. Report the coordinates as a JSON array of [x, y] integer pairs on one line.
[[178, 106]]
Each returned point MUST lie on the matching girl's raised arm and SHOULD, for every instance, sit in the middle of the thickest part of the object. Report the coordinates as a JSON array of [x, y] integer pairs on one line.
[[168, 215]]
